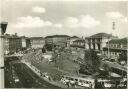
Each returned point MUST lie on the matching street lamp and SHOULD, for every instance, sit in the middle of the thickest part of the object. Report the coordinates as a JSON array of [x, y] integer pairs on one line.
[[113, 28], [3, 26]]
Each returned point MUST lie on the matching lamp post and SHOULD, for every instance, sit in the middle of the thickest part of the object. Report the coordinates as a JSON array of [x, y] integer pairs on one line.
[[113, 28], [108, 49], [3, 26], [126, 20]]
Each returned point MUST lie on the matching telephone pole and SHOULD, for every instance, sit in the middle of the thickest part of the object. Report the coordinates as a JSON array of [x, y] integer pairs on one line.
[[3, 26]]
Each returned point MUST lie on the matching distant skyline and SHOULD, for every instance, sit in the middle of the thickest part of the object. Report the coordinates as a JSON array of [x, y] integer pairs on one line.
[[80, 18]]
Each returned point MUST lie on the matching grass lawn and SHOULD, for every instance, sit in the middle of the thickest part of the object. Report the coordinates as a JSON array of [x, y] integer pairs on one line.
[[65, 65]]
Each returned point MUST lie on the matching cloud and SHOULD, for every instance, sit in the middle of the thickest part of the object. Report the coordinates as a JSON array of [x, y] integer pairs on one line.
[[88, 21], [58, 25], [42, 0], [31, 22], [26, 0], [48, 23], [34, 22], [114, 15], [84, 21], [125, 19], [71, 22], [38, 9]]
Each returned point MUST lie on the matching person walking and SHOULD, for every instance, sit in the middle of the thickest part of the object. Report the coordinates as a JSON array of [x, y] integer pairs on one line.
[[68, 84]]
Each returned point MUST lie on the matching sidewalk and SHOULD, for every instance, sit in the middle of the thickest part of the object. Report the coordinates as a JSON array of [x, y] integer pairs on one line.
[[37, 71]]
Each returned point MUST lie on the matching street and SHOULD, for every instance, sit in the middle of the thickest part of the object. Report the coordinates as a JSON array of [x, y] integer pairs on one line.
[[18, 75]]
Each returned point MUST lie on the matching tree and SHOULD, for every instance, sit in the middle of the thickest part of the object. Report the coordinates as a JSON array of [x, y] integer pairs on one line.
[[49, 47], [123, 57], [105, 72], [91, 62], [85, 69], [43, 50], [62, 60]]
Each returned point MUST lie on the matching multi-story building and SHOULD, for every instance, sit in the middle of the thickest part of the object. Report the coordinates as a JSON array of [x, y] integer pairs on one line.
[[57, 40], [114, 47], [23, 41], [36, 42], [97, 41], [14, 43], [6, 44], [78, 43], [28, 43], [70, 40], [113, 50]]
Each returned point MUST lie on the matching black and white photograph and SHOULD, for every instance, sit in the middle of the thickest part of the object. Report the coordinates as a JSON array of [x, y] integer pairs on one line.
[[63, 44]]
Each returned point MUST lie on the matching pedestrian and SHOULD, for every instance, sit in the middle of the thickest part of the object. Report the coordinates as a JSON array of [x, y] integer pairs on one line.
[[67, 83], [90, 85], [49, 78]]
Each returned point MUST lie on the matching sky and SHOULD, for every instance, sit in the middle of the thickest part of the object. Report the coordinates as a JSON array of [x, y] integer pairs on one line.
[[80, 18]]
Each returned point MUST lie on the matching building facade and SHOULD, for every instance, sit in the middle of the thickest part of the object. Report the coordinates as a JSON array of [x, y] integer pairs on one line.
[[97, 41], [23, 41], [14, 43], [36, 42], [28, 43], [57, 40], [70, 40], [115, 47], [6, 45], [79, 43]]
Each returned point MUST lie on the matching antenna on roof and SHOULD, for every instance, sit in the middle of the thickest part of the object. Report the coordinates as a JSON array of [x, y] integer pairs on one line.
[[113, 25], [114, 32]]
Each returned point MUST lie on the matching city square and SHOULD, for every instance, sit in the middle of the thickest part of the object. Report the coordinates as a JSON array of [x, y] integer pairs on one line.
[[64, 45]]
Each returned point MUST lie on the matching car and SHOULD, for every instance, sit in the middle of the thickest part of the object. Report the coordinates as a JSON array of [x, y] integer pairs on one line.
[[83, 84], [64, 80], [72, 81], [109, 85], [112, 60], [16, 80]]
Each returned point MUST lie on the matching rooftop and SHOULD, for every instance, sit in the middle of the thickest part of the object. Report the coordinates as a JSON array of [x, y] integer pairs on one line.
[[101, 35], [13, 36], [123, 41], [36, 38], [57, 36], [79, 40], [74, 37]]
